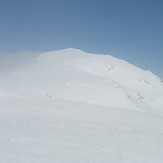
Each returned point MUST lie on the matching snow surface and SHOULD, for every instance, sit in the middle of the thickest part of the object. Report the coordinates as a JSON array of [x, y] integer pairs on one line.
[[70, 106]]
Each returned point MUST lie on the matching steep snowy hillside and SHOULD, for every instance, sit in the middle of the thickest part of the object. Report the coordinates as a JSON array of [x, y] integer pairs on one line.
[[96, 79], [69, 106]]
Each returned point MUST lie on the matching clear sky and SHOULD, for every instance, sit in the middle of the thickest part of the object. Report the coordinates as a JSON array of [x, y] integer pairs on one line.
[[128, 29]]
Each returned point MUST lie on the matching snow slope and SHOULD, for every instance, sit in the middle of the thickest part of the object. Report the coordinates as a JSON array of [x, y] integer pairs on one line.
[[74, 75], [70, 106], [47, 130]]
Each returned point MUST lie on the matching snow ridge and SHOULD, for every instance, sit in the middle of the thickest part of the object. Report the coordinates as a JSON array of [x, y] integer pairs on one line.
[[70, 106], [75, 75]]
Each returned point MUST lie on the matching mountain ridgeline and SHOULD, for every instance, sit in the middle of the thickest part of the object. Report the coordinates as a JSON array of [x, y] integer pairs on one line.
[[75, 75], [70, 106]]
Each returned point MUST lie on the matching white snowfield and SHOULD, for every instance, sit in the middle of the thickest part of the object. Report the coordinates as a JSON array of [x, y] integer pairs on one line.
[[69, 106]]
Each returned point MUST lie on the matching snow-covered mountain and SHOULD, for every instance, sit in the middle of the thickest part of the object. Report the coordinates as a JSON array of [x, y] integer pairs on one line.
[[74, 75], [70, 106]]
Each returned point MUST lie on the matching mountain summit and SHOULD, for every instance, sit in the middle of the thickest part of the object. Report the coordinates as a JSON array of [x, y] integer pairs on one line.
[[75, 75], [70, 106]]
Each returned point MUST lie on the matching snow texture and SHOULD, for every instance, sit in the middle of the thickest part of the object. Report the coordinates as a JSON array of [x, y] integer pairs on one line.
[[70, 106]]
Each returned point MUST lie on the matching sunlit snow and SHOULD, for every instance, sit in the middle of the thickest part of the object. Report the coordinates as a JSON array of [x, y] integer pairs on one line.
[[70, 106]]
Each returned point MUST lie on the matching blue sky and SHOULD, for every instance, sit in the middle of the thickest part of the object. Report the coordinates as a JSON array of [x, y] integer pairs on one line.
[[128, 29]]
